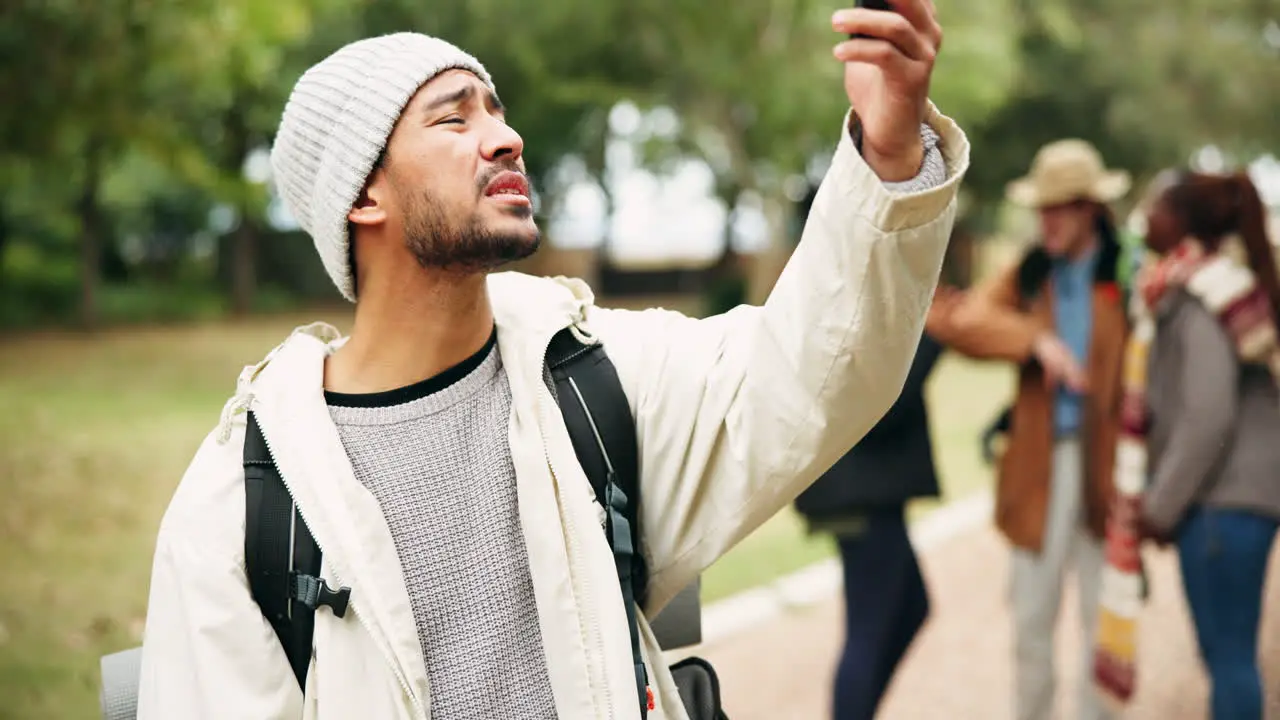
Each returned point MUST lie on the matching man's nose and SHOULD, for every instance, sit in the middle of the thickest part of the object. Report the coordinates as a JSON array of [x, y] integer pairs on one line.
[[502, 142]]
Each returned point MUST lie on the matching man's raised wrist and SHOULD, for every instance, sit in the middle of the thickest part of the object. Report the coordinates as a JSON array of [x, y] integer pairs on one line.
[[902, 166], [899, 167]]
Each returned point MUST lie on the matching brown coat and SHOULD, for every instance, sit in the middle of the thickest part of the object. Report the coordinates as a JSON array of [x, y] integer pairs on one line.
[[994, 322]]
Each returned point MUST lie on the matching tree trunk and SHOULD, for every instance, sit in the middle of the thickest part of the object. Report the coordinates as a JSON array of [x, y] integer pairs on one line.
[[91, 236], [4, 241], [243, 267]]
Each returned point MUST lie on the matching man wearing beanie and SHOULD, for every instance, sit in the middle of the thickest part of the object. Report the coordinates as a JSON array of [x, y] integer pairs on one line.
[[426, 452]]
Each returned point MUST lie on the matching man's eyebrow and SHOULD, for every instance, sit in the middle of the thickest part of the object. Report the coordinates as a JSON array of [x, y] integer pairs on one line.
[[452, 98], [461, 95]]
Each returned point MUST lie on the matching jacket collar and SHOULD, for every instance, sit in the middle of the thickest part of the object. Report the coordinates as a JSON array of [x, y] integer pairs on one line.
[[536, 308]]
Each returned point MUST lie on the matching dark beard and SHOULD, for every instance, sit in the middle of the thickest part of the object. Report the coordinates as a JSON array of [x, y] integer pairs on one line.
[[465, 247]]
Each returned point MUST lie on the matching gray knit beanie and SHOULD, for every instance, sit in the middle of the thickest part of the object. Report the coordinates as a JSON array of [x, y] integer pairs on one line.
[[335, 125]]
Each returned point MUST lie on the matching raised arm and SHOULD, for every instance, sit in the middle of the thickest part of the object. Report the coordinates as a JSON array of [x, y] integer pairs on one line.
[[738, 413], [990, 325]]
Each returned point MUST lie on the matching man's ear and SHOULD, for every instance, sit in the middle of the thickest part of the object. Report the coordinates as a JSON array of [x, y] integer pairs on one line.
[[370, 205]]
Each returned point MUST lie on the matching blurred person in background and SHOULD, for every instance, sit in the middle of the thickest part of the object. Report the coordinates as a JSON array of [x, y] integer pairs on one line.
[[1059, 316], [1211, 414], [861, 501]]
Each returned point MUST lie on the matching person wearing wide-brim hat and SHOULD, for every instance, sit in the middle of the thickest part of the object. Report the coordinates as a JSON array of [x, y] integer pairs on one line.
[[1066, 171], [1059, 315]]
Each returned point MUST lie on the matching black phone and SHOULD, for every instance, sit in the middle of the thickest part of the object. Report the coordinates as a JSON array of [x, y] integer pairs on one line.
[[870, 5]]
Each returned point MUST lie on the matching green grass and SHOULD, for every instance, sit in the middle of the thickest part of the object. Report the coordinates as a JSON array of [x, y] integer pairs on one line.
[[94, 435], [96, 432]]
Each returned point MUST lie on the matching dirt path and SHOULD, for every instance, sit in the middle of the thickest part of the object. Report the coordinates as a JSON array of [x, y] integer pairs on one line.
[[960, 665]]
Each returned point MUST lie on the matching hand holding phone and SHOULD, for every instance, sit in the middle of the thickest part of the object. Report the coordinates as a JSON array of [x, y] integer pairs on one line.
[[886, 77]]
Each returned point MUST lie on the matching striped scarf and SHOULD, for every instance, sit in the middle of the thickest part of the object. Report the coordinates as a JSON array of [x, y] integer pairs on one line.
[[1228, 290]]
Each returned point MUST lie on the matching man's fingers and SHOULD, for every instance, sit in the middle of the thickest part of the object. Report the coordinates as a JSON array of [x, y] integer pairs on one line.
[[1077, 383], [886, 26], [1073, 375], [1051, 376], [934, 33], [1081, 381], [880, 53], [875, 52], [919, 13], [923, 15], [1060, 366]]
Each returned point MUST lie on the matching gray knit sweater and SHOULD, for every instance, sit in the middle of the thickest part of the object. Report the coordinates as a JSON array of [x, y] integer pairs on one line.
[[435, 455]]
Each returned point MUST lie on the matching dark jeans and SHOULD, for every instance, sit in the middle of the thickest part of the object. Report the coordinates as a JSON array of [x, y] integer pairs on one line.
[[1224, 554], [885, 604]]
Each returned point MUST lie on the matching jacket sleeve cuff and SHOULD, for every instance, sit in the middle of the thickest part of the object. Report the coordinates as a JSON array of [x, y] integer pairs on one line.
[[885, 205]]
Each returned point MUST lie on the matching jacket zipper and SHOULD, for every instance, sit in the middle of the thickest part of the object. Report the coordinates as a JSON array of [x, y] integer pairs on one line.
[[387, 655], [593, 625]]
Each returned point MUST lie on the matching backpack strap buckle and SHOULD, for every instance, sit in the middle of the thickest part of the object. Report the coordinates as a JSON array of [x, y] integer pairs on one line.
[[314, 592]]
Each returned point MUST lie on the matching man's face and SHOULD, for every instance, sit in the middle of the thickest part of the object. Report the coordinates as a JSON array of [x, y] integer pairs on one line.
[[455, 173], [1066, 228]]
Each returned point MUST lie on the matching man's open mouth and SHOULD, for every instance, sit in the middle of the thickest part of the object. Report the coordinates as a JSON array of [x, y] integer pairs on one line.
[[508, 183]]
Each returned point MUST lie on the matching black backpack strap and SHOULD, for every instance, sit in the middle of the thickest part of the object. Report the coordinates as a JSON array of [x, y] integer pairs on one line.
[[603, 432], [281, 558]]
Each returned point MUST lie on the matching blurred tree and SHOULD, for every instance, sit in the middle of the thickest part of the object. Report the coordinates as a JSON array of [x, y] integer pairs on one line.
[[193, 84], [74, 72], [1147, 82], [1194, 72], [136, 119], [761, 94], [243, 56], [760, 98]]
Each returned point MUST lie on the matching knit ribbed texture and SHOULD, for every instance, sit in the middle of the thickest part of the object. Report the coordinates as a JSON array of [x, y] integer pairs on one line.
[[440, 467], [933, 169], [337, 122]]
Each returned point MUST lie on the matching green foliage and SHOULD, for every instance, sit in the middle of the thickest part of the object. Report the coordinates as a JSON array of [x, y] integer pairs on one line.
[[1147, 82], [39, 286], [128, 123]]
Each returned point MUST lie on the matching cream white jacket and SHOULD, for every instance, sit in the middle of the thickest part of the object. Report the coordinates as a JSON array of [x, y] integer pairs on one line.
[[735, 414]]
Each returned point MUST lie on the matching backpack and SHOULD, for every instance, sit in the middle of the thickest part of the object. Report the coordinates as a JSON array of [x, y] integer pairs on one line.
[[282, 560]]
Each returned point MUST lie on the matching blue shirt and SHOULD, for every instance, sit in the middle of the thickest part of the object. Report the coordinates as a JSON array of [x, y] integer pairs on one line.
[[1073, 318]]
